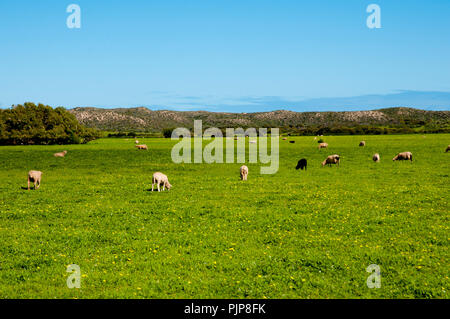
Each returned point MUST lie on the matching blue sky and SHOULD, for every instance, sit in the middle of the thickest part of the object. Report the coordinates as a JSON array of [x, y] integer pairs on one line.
[[226, 55]]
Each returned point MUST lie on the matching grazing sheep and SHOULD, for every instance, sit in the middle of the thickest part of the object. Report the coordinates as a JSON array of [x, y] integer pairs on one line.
[[448, 149], [244, 172], [284, 138], [376, 158], [60, 154], [302, 164], [160, 179], [405, 156], [35, 178], [332, 159], [323, 145], [142, 147], [136, 142], [362, 143]]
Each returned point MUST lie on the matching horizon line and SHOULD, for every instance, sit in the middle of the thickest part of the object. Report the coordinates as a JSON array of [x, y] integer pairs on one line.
[[250, 112]]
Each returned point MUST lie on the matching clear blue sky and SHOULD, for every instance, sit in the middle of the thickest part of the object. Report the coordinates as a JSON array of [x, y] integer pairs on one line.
[[225, 55]]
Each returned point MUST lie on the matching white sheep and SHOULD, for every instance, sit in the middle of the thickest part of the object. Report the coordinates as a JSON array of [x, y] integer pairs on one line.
[[332, 159], [405, 156], [160, 179], [243, 172], [35, 178], [323, 145], [376, 157], [60, 154], [142, 147]]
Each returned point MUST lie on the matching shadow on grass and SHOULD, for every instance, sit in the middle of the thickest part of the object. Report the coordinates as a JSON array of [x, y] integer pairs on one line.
[[156, 190]]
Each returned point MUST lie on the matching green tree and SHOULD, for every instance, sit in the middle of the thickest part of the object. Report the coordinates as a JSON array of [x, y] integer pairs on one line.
[[41, 124], [167, 132]]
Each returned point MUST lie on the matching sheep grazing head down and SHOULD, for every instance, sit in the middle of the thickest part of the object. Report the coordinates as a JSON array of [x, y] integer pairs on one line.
[[332, 159], [376, 157], [159, 179], [405, 156], [302, 164], [243, 171], [35, 178]]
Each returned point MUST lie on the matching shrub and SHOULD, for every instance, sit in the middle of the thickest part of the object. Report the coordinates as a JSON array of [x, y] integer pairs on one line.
[[40, 124], [167, 132]]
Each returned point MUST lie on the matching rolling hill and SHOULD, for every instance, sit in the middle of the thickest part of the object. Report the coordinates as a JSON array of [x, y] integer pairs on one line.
[[142, 119]]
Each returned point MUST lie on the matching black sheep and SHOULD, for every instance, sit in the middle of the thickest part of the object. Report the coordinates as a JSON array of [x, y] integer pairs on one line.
[[302, 164]]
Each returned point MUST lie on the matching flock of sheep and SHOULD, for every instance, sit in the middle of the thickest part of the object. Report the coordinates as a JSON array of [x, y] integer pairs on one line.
[[335, 158], [160, 179]]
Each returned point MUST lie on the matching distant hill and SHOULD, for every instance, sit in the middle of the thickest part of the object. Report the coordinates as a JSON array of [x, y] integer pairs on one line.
[[141, 119]]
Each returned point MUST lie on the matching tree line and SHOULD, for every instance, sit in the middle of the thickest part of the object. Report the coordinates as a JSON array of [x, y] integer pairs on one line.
[[40, 124], [342, 130]]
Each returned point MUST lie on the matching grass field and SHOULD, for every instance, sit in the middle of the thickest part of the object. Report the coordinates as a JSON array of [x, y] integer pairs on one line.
[[294, 234]]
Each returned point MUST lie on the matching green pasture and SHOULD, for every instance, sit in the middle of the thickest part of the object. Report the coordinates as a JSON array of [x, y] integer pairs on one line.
[[293, 234]]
